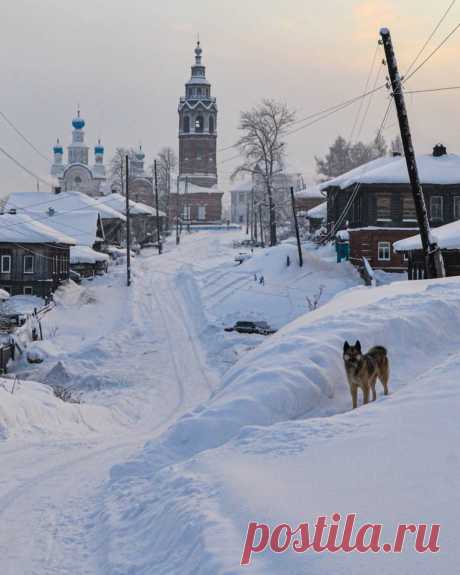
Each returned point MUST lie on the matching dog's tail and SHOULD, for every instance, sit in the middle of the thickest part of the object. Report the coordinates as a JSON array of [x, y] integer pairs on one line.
[[378, 350]]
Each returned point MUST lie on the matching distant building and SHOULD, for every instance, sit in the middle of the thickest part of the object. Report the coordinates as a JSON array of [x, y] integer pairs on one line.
[[197, 151], [381, 206], [77, 174]]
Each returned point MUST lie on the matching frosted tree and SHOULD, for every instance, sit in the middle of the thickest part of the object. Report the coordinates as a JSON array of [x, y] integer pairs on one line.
[[166, 166], [262, 148], [344, 156]]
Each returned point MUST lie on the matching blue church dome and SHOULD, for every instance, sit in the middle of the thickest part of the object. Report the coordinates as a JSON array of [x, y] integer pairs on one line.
[[99, 149], [58, 149], [78, 123]]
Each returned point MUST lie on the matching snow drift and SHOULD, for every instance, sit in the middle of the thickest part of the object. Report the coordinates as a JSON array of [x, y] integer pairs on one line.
[[296, 374]]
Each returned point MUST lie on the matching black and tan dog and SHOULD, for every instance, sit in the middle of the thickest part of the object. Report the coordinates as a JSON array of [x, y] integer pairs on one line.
[[364, 369]]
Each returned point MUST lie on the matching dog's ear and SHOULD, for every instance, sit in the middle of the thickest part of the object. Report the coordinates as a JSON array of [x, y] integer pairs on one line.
[[358, 345], [346, 347]]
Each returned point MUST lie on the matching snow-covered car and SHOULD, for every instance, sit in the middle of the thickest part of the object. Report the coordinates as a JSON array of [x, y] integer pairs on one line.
[[259, 327], [242, 257]]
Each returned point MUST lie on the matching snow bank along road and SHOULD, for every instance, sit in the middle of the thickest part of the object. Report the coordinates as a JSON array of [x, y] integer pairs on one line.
[[135, 354], [253, 452]]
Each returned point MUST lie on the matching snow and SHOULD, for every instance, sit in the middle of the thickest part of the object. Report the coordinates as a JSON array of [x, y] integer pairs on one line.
[[82, 225], [447, 237], [22, 229], [278, 444], [38, 203], [118, 202], [310, 192], [190, 188], [21, 305], [186, 433], [85, 255], [443, 170], [4, 295], [319, 212]]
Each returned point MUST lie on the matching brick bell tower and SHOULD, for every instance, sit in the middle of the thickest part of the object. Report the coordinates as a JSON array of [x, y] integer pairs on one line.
[[197, 129]]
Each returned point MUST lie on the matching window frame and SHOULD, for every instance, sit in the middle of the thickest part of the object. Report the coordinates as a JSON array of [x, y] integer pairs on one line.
[[5, 257], [436, 217], [31, 292], [380, 245], [386, 216], [32, 257], [456, 211]]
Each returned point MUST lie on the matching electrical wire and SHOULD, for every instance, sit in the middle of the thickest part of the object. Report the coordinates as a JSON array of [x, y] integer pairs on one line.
[[21, 135], [18, 163]]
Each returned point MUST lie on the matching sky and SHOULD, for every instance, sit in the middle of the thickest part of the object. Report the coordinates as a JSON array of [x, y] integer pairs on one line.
[[126, 63]]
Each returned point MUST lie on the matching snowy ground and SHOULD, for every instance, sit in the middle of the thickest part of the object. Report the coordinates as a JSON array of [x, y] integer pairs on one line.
[[187, 433]]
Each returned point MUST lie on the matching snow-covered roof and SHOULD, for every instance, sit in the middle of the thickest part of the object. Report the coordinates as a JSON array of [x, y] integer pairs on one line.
[[118, 202], [318, 212], [447, 237], [40, 202], [309, 192], [23, 229], [393, 170], [243, 186], [82, 225], [194, 189], [85, 255]]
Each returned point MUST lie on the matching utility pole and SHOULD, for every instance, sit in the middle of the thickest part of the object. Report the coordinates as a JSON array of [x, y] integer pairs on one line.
[[156, 207], [434, 264], [252, 214], [188, 210], [296, 223], [128, 228], [261, 226], [177, 213], [247, 213]]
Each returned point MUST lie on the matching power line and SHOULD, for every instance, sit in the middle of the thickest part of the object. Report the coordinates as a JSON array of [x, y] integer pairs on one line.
[[20, 134], [428, 40], [369, 76], [451, 33], [18, 163]]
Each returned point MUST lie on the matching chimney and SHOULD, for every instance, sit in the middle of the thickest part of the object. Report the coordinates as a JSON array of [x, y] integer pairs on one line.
[[439, 150]]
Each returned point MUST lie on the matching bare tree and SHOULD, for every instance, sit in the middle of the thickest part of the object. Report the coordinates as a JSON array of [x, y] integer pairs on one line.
[[263, 151], [117, 168], [166, 166]]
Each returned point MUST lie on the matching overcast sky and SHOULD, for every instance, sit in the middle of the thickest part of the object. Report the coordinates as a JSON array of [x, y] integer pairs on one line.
[[126, 63]]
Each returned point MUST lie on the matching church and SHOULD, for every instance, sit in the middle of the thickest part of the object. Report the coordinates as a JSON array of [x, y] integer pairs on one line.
[[198, 199], [77, 174]]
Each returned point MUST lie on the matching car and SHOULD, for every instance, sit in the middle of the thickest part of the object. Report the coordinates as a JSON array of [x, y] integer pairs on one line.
[[242, 257], [250, 327]]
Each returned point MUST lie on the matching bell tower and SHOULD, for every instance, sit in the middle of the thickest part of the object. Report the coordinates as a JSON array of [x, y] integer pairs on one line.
[[198, 129]]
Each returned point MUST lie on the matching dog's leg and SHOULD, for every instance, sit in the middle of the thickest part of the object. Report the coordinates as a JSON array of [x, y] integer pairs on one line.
[[354, 396], [365, 389], [372, 384], [384, 376]]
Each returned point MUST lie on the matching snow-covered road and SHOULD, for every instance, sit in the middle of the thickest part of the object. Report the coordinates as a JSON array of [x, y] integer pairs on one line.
[[136, 353]]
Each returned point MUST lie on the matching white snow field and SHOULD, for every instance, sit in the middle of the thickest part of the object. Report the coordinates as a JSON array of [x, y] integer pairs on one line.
[[186, 433]]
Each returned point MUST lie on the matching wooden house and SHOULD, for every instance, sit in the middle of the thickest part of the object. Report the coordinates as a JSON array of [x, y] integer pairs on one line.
[[379, 210], [34, 258], [143, 218], [448, 239]]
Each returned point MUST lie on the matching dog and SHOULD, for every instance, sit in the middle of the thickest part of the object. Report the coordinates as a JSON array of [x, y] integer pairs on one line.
[[363, 370]]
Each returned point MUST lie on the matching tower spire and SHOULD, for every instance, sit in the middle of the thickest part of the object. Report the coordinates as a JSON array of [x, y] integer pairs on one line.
[[198, 51]]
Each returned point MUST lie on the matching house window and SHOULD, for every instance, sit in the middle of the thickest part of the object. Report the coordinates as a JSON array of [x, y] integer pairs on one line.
[[384, 251], [186, 212], [384, 207], [409, 213], [436, 208], [6, 264], [28, 290], [201, 212], [28, 264], [457, 207]]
